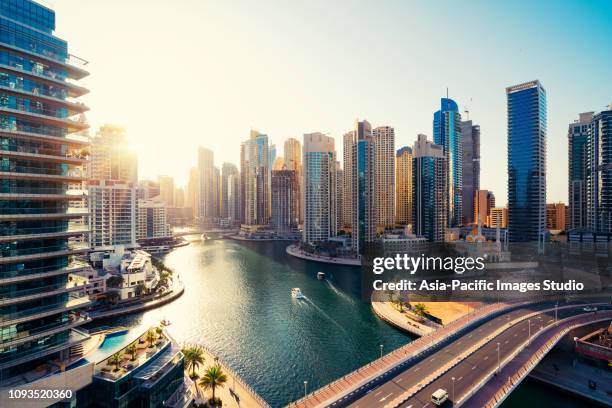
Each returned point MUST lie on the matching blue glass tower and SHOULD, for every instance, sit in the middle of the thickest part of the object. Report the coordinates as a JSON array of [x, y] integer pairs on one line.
[[363, 212], [599, 176], [577, 141], [526, 161], [447, 133], [41, 172]]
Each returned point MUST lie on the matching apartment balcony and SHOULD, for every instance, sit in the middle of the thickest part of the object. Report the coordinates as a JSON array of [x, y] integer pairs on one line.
[[76, 336], [46, 155], [25, 234], [73, 90], [37, 313], [19, 296], [42, 194], [33, 214], [68, 64], [21, 173], [11, 277], [26, 133], [31, 254], [74, 320], [47, 118], [73, 107]]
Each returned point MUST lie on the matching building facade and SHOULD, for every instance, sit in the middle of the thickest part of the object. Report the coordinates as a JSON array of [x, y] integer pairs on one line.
[[577, 143], [483, 201], [293, 161], [113, 213], [363, 225], [284, 192], [320, 206], [403, 186], [347, 179], [384, 176], [526, 162], [498, 217], [599, 177], [556, 217], [166, 190], [152, 219], [257, 179], [206, 192], [470, 169], [111, 157]]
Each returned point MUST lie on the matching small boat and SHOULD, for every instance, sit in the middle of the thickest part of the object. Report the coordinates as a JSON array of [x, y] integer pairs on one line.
[[320, 275], [204, 237], [297, 293]]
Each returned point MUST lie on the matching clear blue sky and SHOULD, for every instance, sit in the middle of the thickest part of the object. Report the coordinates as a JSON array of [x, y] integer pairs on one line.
[[187, 72]]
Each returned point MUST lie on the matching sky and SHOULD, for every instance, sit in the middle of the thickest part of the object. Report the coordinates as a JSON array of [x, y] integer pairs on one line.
[[182, 73]]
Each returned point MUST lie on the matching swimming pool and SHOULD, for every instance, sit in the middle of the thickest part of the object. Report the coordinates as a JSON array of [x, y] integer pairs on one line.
[[112, 343]]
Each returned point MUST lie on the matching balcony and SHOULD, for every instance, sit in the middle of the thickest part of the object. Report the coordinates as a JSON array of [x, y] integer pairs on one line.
[[75, 302], [73, 156], [37, 175], [46, 117], [53, 99], [24, 234], [30, 254], [50, 213], [52, 78], [29, 133], [73, 320], [41, 193], [10, 277], [18, 296]]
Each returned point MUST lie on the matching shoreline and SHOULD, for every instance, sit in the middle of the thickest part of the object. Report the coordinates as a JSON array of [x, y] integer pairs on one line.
[[293, 251]]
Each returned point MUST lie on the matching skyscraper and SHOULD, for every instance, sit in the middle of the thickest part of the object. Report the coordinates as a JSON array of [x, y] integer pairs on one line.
[[526, 161], [284, 211], [229, 175], [339, 195], [111, 157], [347, 179], [293, 161], [39, 160], [206, 191], [599, 177], [430, 192], [384, 175], [193, 191], [447, 133], [403, 186], [498, 217], [362, 187], [152, 219], [483, 200], [470, 169], [166, 190], [578, 169], [320, 211], [256, 175]]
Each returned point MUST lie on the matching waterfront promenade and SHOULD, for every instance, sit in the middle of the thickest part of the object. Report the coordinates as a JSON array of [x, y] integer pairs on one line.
[[294, 250], [388, 312]]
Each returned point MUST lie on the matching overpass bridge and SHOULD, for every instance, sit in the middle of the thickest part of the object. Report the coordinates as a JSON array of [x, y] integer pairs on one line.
[[466, 350], [198, 231]]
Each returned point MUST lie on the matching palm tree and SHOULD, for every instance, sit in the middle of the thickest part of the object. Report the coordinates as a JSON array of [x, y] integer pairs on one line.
[[213, 378], [194, 356], [151, 337], [115, 360], [131, 350], [420, 309]]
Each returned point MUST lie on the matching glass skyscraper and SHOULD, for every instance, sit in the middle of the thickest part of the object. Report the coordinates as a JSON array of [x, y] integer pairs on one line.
[[447, 133], [41, 165], [526, 161], [577, 141], [599, 177], [362, 178]]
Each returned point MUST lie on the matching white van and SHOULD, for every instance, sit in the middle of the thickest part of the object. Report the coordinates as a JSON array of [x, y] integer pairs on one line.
[[439, 397]]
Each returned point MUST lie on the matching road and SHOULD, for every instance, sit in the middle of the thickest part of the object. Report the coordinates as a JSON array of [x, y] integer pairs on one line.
[[468, 371]]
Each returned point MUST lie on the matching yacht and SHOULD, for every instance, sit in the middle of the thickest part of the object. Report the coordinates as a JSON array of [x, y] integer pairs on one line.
[[297, 293], [320, 275]]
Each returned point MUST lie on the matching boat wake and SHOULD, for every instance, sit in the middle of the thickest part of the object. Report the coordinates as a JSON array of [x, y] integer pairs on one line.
[[338, 292], [322, 312]]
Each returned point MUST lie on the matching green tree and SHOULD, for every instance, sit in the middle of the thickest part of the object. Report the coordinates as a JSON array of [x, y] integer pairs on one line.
[[131, 350], [194, 356], [150, 337], [115, 360], [114, 281], [213, 378], [420, 309]]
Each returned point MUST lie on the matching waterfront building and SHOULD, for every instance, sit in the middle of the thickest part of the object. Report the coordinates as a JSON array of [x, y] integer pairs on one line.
[[383, 138], [279, 164], [470, 169], [166, 190], [111, 157], [234, 199], [430, 192], [483, 201], [206, 193], [320, 205], [556, 216], [257, 206], [498, 217], [577, 143], [216, 193], [113, 213], [284, 191], [40, 159], [447, 133], [272, 157], [526, 161], [599, 177], [152, 219], [148, 189], [362, 180], [403, 186], [293, 161], [179, 197], [339, 194], [347, 180], [229, 176], [193, 192]]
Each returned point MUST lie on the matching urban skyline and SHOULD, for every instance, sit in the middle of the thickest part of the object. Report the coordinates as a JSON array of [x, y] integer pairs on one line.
[[402, 94]]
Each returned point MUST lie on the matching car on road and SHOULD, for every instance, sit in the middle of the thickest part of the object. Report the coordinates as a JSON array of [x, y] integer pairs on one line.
[[439, 397], [589, 309]]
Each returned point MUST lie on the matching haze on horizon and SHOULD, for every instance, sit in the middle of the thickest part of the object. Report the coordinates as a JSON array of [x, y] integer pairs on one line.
[[178, 74]]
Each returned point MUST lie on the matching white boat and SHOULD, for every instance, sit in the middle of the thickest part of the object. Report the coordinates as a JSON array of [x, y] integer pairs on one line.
[[204, 237], [320, 275], [297, 293], [165, 322]]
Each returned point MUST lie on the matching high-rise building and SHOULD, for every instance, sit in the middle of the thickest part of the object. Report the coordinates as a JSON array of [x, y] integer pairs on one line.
[[339, 195], [556, 216], [234, 198], [39, 160], [498, 217], [599, 177], [279, 164], [470, 169], [293, 161], [166, 190], [347, 179], [430, 192], [257, 206], [179, 197], [578, 169], [447, 133], [284, 190], [483, 201], [216, 193], [362, 182], [147, 189], [403, 186], [113, 213], [320, 206], [526, 162], [111, 158], [206, 192], [193, 191], [229, 175], [384, 175], [152, 219]]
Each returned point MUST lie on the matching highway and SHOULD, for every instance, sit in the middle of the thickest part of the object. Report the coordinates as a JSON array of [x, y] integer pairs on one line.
[[467, 372]]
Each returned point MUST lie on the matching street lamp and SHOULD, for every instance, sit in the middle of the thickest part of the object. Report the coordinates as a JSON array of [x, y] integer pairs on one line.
[[453, 394], [529, 335], [498, 358], [305, 388], [556, 307], [381, 349]]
